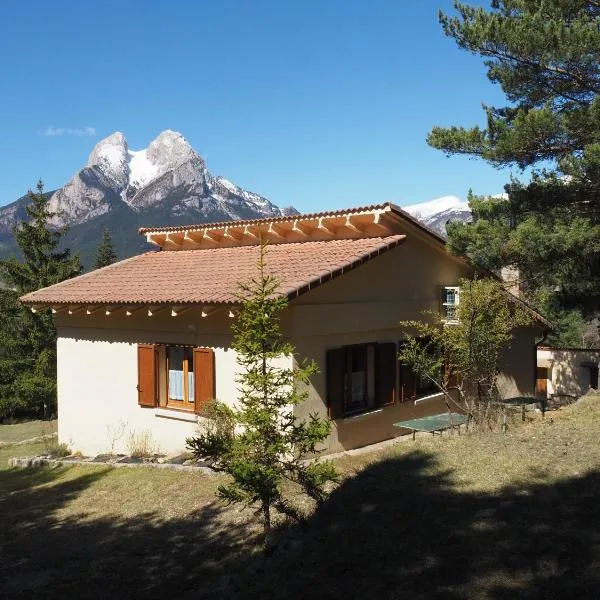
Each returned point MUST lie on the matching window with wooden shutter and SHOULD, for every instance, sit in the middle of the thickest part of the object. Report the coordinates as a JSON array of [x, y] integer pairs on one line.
[[147, 375], [387, 365], [336, 382], [204, 377]]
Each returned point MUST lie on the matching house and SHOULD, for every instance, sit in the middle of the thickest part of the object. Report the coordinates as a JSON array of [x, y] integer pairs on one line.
[[144, 343], [566, 371]]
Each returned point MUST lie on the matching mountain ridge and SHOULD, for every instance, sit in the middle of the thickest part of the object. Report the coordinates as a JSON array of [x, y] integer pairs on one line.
[[166, 183], [122, 189]]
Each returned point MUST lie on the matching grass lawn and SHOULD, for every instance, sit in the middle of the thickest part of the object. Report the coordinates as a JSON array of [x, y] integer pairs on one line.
[[494, 516], [9, 434]]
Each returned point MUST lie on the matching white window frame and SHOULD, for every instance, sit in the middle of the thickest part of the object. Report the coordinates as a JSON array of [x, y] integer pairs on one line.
[[447, 305]]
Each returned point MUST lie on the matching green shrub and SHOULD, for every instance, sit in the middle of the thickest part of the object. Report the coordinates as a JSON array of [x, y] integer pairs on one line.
[[57, 450]]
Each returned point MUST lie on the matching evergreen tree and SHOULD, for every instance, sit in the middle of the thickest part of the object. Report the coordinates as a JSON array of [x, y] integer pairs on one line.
[[28, 339], [545, 55], [105, 255], [260, 443]]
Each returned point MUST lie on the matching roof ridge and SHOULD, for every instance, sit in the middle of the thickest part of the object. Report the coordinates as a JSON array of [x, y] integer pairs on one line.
[[272, 219]]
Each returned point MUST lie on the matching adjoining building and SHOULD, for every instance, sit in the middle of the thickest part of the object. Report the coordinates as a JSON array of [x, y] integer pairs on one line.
[[566, 371]]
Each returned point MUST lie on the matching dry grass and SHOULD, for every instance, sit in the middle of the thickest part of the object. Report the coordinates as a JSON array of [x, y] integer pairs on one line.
[[9, 434], [492, 516]]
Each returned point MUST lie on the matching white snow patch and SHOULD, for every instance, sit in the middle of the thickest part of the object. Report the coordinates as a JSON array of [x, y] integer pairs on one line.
[[141, 170], [228, 185], [425, 210], [111, 156]]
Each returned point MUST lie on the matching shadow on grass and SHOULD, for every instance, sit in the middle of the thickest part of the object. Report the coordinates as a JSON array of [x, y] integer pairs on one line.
[[396, 530]]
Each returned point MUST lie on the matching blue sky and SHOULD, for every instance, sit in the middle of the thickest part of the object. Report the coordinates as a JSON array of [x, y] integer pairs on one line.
[[317, 104]]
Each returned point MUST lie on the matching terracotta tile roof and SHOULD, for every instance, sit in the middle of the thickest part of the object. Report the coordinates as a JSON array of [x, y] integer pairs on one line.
[[211, 276]]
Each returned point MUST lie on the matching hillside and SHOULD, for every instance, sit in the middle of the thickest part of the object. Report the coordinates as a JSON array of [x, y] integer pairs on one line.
[[475, 517]]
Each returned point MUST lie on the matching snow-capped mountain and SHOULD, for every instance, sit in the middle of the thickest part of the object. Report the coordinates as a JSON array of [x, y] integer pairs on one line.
[[121, 188], [436, 213], [144, 178]]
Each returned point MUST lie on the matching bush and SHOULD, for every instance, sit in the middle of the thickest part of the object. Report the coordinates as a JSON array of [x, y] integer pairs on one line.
[[57, 450]]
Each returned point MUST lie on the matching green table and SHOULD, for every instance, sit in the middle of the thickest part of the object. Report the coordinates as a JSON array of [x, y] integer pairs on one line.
[[434, 423]]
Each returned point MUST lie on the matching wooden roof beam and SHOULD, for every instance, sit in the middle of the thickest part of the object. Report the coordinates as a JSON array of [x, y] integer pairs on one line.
[[233, 233], [322, 226], [276, 231], [176, 238], [377, 221], [352, 226], [211, 236], [177, 311], [208, 310], [154, 310], [301, 229], [248, 231], [156, 238], [194, 237]]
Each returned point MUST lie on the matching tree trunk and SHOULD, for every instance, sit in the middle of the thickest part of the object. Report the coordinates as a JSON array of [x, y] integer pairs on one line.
[[266, 510]]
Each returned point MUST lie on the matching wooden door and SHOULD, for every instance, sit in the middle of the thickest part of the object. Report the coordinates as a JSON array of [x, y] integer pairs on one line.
[[541, 382]]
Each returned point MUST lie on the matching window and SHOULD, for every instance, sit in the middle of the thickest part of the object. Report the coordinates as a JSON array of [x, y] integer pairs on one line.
[[411, 385], [360, 378], [180, 377], [175, 376], [450, 302]]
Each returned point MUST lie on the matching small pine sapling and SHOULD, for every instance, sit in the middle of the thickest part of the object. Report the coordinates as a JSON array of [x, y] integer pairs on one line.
[[260, 443]]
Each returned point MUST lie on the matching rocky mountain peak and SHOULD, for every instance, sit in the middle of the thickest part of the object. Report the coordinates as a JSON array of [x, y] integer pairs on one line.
[[111, 157], [437, 213], [168, 151], [166, 183]]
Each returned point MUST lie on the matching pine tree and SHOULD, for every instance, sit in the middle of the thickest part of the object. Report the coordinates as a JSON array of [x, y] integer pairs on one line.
[[545, 55], [105, 255], [260, 443], [28, 339]]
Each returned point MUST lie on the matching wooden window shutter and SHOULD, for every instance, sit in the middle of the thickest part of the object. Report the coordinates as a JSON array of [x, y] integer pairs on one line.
[[336, 382], [147, 375], [387, 365], [204, 377]]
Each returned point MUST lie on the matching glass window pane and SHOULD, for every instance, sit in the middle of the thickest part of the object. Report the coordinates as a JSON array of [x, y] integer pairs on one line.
[[189, 356], [175, 357], [358, 376]]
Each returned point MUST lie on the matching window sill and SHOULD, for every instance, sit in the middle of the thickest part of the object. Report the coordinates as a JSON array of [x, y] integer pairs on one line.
[[362, 414], [428, 397], [177, 415]]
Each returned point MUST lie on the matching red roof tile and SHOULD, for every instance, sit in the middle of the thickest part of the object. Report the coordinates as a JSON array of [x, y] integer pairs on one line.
[[212, 276]]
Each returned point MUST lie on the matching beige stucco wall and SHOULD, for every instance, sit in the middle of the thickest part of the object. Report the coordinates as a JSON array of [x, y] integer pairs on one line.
[[366, 305], [97, 358], [517, 376], [565, 373], [97, 378]]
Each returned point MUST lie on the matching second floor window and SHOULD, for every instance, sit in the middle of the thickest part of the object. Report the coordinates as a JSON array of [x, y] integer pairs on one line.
[[450, 303]]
